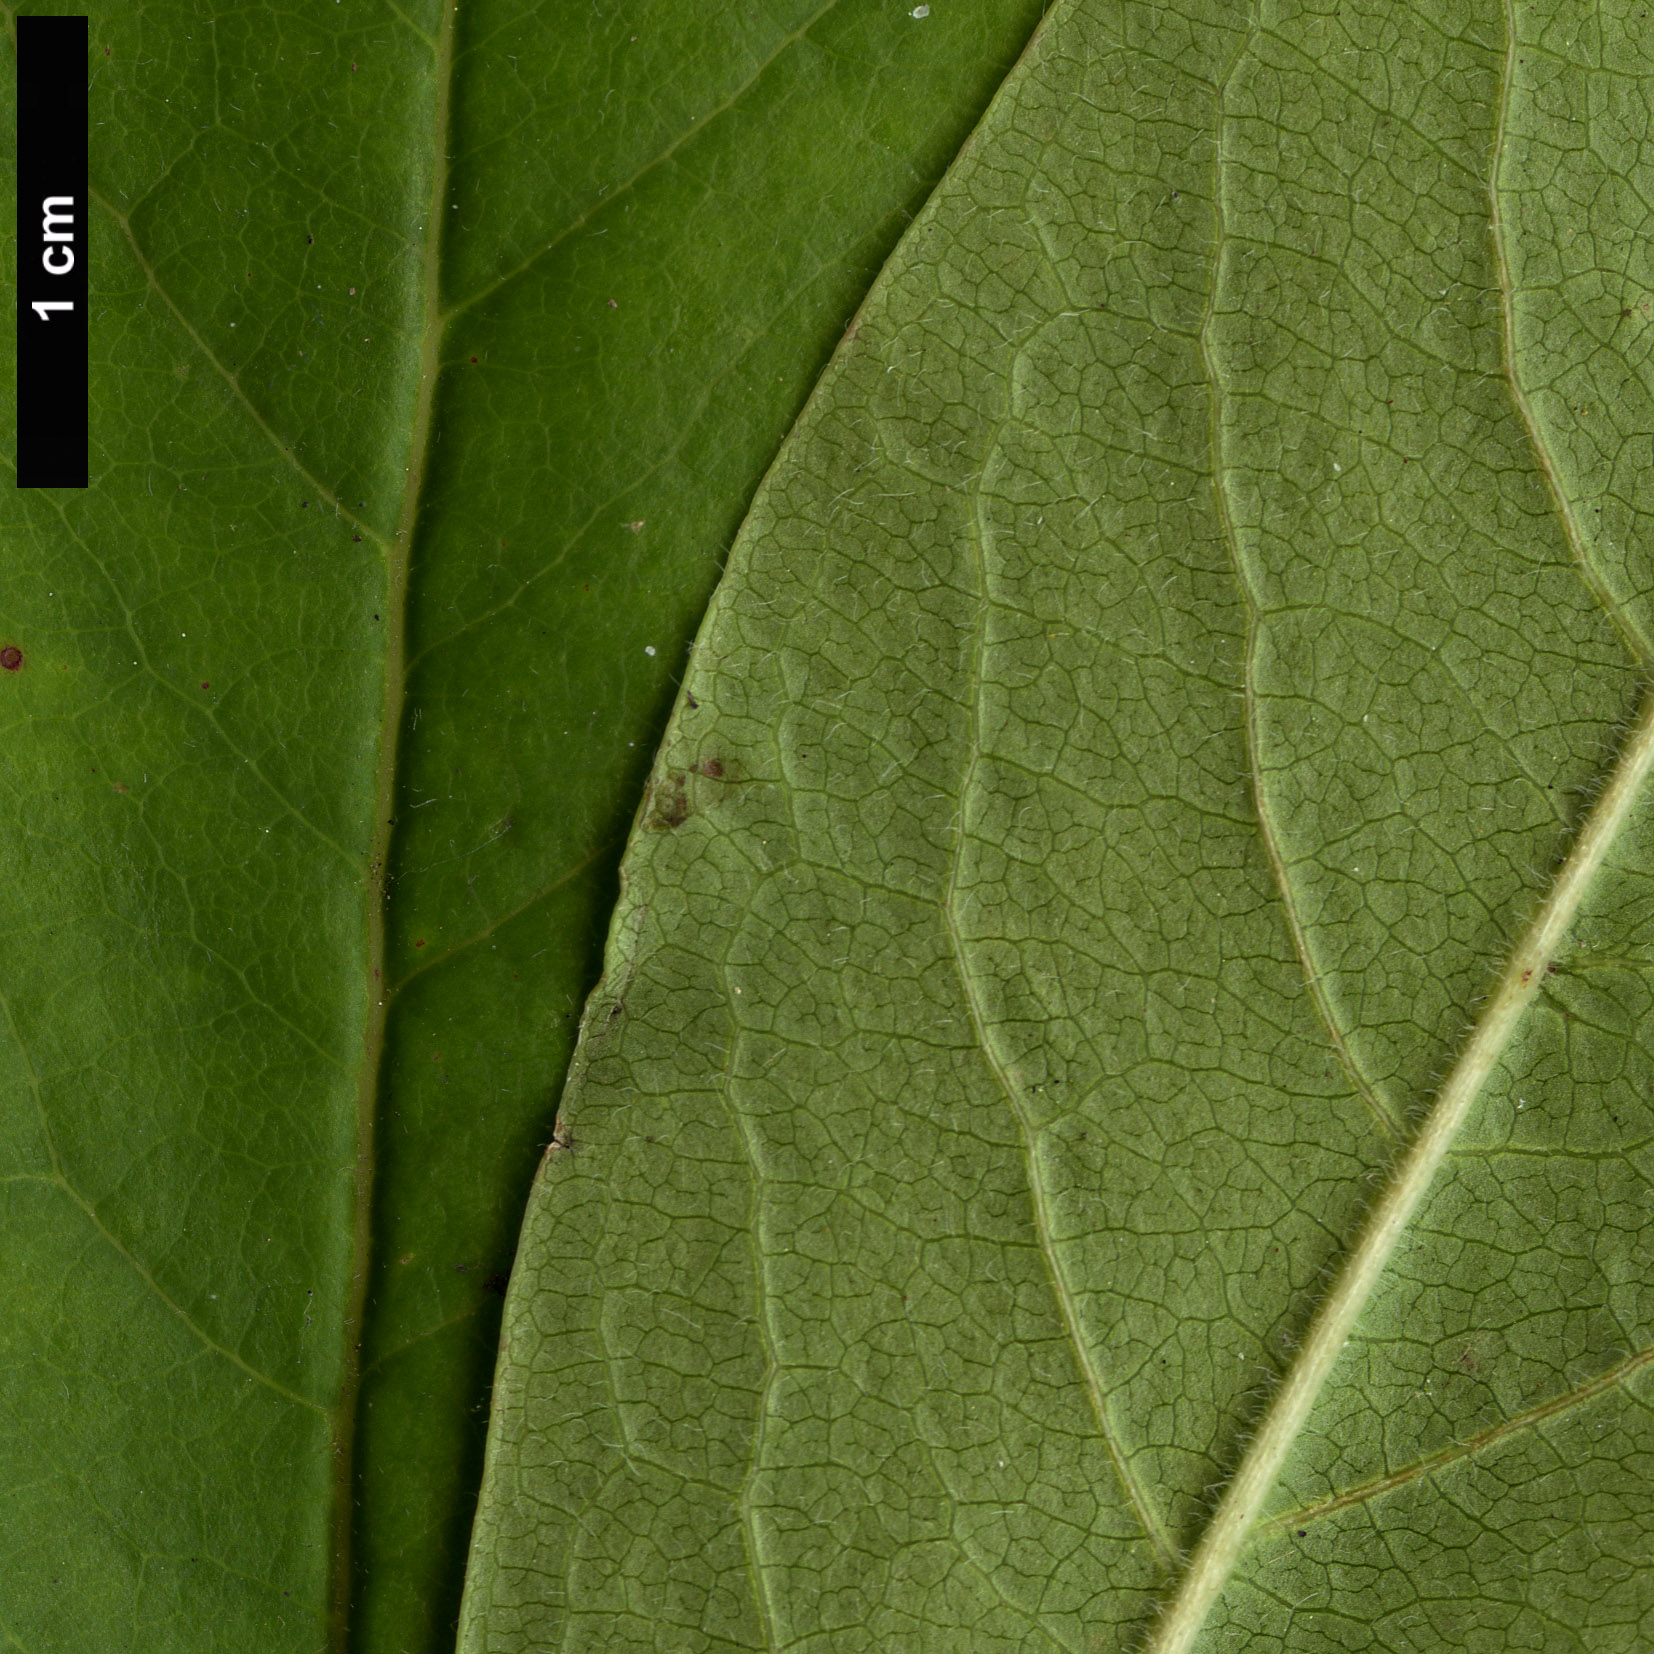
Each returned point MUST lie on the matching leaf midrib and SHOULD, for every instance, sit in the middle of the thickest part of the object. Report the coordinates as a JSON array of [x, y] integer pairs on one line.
[[397, 560]]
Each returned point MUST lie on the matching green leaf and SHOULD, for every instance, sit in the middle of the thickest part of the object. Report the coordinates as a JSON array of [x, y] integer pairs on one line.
[[1119, 1110], [437, 351]]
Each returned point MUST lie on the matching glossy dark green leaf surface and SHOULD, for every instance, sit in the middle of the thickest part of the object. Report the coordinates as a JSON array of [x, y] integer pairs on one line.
[[436, 354], [1119, 1112]]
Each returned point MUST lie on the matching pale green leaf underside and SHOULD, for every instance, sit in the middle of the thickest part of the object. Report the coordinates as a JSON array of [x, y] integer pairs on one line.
[[1149, 700]]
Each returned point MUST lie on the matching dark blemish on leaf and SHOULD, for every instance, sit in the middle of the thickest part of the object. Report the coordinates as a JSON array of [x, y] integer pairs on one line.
[[694, 705], [1302, 1532], [615, 1009], [420, 943], [711, 768], [206, 686], [496, 1283], [667, 804], [463, 1268], [303, 504], [562, 1140], [11, 658], [1527, 977], [310, 241]]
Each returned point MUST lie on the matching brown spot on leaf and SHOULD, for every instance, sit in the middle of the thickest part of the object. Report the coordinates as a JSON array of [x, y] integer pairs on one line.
[[711, 768], [11, 658], [667, 803]]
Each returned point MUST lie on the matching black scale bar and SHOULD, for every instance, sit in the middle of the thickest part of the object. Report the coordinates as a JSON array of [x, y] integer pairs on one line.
[[51, 252]]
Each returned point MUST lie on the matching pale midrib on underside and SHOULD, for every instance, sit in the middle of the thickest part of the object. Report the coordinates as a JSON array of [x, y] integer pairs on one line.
[[397, 561], [1235, 1519], [1227, 1533]]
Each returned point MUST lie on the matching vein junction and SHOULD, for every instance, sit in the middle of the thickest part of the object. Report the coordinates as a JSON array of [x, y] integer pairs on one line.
[[1226, 1535]]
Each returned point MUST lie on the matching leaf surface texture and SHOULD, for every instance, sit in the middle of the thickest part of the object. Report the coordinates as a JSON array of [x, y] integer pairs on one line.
[[1154, 692]]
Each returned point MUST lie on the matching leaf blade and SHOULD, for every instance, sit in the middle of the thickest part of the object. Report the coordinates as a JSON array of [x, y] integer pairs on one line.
[[746, 1089]]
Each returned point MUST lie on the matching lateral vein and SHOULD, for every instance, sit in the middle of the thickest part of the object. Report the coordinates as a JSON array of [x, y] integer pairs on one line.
[[1630, 634], [1564, 1403], [1383, 1117], [1153, 1528], [286, 449]]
